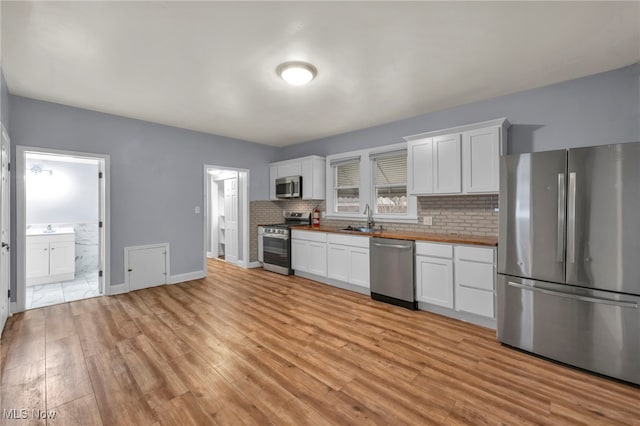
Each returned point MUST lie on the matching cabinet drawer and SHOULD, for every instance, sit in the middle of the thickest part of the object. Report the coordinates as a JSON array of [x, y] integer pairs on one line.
[[476, 275], [474, 254], [348, 240], [434, 249], [320, 237], [61, 238], [474, 301]]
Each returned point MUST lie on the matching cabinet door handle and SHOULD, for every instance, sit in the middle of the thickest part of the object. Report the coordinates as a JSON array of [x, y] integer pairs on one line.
[[46, 249], [52, 248]]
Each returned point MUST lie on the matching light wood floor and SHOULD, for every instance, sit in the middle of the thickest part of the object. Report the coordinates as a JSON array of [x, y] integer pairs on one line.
[[253, 347]]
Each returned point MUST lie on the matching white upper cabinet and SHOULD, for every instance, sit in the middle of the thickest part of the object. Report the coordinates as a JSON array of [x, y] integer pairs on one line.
[[420, 162], [461, 160], [312, 170], [446, 164], [481, 160]]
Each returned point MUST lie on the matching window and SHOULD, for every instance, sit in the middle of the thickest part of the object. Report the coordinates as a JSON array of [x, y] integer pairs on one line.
[[390, 183], [346, 188], [376, 177]]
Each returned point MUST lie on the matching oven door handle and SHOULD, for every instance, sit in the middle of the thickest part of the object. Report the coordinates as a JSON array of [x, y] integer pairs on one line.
[[278, 237]]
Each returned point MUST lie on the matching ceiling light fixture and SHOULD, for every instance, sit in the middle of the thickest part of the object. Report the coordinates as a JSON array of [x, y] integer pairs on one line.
[[297, 73]]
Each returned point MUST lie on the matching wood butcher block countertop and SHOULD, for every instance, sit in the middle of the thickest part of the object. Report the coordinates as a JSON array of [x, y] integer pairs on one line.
[[416, 236]]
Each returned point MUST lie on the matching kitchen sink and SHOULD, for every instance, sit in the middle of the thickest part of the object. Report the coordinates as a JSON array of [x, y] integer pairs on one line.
[[358, 229]]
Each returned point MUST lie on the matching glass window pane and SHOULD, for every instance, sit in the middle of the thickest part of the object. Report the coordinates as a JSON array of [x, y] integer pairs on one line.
[[348, 200], [391, 170], [348, 174], [391, 200]]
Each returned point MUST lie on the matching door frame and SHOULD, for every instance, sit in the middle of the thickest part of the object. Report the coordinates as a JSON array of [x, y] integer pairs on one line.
[[5, 207], [243, 186], [21, 238]]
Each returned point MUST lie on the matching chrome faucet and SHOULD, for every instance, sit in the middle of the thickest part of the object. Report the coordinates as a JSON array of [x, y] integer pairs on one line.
[[369, 213]]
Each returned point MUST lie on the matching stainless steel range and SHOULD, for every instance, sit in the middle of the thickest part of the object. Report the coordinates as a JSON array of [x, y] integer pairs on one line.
[[276, 243]]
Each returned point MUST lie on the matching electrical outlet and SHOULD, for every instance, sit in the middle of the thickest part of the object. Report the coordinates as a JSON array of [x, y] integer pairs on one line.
[[323, 214], [427, 220]]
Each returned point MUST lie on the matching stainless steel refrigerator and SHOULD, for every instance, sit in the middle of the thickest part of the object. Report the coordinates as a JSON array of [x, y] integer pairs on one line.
[[569, 257]]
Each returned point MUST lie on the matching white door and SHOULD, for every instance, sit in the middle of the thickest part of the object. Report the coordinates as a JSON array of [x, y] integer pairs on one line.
[[318, 258], [62, 257], [231, 219], [359, 266], [420, 164], [434, 281], [37, 257], [4, 229], [446, 158], [101, 227], [299, 255], [337, 259], [481, 160], [147, 267]]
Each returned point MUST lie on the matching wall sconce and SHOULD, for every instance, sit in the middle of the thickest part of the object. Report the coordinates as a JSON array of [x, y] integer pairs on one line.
[[36, 170]]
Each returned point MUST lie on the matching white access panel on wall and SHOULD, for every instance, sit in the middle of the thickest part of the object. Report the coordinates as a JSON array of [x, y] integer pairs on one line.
[[146, 266]]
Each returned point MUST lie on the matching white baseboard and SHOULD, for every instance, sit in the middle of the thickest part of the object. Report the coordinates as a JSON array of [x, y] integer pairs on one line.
[[180, 278], [114, 289], [255, 264]]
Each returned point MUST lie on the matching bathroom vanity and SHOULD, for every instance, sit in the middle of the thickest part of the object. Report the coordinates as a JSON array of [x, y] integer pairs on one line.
[[50, 255]]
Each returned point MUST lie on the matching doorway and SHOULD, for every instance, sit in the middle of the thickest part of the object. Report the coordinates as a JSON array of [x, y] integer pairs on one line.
[[62, 222], [226, 216]]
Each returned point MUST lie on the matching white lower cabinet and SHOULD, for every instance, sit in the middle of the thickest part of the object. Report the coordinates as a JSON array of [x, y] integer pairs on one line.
[[434, 275], [339, 257], [338, 262], [50, 258], [348, 259], [475, 276], [309, 252], [456, 277]]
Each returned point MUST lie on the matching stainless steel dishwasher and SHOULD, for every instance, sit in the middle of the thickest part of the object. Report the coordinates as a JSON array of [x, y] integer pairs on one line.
[[391, 272]]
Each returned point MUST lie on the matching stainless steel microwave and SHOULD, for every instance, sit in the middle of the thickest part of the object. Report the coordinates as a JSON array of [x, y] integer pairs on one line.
[[289, 187]]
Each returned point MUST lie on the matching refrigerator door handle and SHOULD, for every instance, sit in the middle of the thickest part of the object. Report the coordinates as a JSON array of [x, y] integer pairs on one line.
[[571, 219], [620, 303], [561, 216]]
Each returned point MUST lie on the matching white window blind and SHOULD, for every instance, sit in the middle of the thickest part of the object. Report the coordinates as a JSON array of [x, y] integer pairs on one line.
[[390, 182], [346, 186]]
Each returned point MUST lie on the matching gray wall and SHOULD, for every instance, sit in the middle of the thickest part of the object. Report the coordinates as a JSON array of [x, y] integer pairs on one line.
[[598, 109], [156, 173], [68, 195], [4, 101]]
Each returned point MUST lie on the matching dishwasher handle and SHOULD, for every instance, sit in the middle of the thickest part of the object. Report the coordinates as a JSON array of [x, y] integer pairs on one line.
[[398, 246]]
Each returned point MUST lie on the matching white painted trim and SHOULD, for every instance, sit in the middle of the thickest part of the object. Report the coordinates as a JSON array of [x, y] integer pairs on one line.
[[167, 262], [13, 307], [244, 188], [117, 289], [461, 316], [189, 276], [502, 122], [255, 264], [20, 252], [334, 283]]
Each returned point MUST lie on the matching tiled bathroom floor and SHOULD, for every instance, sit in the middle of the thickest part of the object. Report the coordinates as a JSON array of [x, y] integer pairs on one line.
[[83, 287]]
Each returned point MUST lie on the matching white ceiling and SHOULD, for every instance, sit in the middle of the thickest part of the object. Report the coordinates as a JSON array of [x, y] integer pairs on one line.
[[210, 66]]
